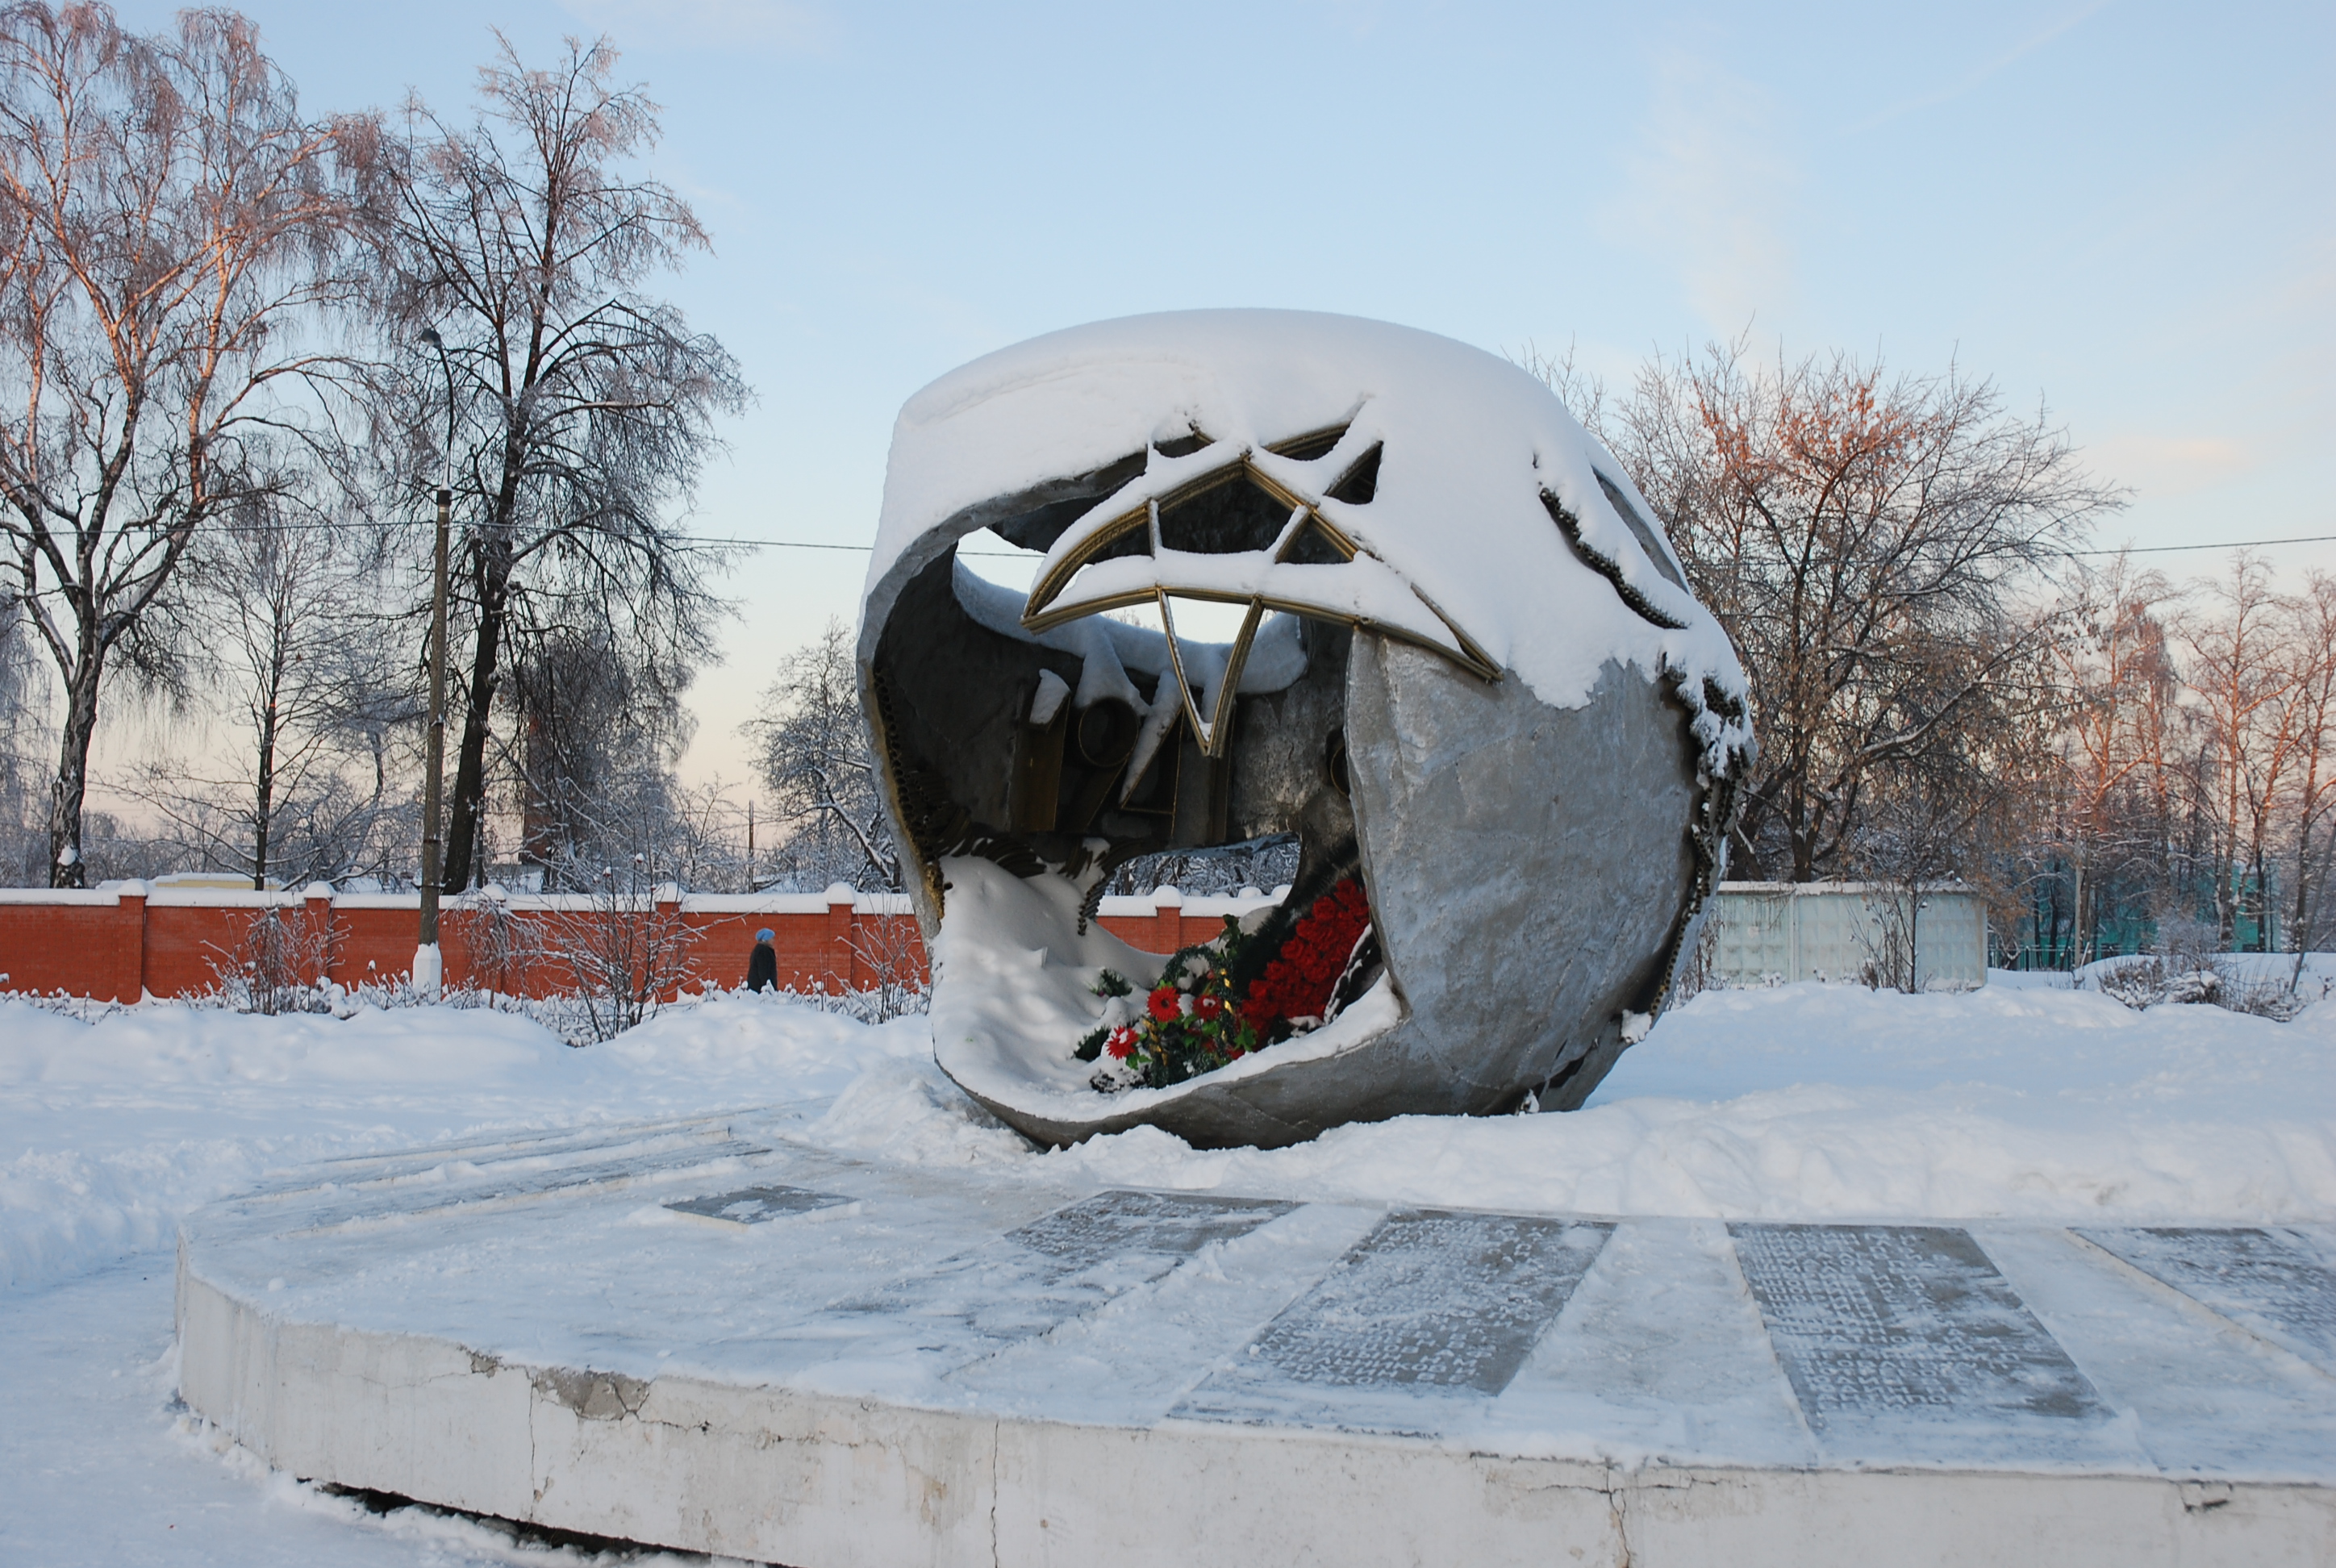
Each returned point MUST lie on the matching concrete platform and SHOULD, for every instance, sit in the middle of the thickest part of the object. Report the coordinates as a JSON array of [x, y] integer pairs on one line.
[[706, 1334]]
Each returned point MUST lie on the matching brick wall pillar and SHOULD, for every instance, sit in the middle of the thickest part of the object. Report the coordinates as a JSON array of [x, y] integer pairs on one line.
[[668, 896], [130, 951], [1168, 912], [842, 949]]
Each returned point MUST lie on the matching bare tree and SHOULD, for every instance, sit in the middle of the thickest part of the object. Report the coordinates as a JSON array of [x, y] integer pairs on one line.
[[169, 225], [2118, 684], [1866, 542], [813, 751], [2313, 674], [308, 670], [2245, 684], [583, 407], [593, 737]]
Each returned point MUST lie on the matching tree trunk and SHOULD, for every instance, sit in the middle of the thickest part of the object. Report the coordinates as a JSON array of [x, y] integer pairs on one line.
[[1805, 855], [263, 802], [2301, 933], [468, 804], [2077, 919], [66, 867]]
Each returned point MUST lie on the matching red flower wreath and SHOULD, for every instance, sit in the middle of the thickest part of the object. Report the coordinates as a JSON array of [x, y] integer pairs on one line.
[[1192, 1023], [1298, 983]]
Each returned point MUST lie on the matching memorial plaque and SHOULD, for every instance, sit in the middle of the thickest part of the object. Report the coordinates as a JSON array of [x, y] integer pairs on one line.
[[480, 1159], [1892, 1324], [1113, 1224], [1061, 1265], [512, 1182], [1428, 1316], [2270, 1282], [756, 1205], [1427, 1297]]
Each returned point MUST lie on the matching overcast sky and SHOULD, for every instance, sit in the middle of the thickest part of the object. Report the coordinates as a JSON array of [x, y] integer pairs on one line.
[[2122, 211]]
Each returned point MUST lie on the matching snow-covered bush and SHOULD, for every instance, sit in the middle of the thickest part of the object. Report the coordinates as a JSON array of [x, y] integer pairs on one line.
[[2264, 987], [278, 966]]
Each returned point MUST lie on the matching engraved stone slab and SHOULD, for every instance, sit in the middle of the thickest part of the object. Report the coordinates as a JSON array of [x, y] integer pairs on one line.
[[756, 1205], [2270, 1281], [500, 1186], [1058, 1267], [436, 1166], [1428, 1302], [1884, 1327], [1167, 1224]]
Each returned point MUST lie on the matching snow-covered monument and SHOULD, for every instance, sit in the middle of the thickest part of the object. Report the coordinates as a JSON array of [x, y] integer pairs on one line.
[[1403, 606]]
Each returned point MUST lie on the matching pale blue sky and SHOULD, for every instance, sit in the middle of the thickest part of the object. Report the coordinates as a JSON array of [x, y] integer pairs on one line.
[[2122, 209]]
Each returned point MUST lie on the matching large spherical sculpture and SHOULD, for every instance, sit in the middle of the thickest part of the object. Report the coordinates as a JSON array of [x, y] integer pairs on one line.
[[1402, 607]]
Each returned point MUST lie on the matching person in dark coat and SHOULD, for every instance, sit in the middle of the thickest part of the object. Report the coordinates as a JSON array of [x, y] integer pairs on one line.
[[762, 969]]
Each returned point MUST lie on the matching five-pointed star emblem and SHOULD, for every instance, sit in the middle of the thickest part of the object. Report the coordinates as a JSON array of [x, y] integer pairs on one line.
[[1182, 530]]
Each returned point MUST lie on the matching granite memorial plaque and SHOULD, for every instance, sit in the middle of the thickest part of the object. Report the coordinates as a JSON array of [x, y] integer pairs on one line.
[[1167, 1225], [1429, 1305], [1059, 1266], [756, 1205], [2270, 1281], [1455, 1299], [470, 1162], [1903, 1325], [508, 1182]]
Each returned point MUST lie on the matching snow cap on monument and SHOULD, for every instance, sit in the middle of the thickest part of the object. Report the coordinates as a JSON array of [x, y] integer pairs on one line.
[[1393, 601]]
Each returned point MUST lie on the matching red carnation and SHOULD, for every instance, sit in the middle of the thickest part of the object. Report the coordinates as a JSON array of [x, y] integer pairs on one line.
[[1163, 1005], [1122, 1045], [1206, 1007], [1298, 981]]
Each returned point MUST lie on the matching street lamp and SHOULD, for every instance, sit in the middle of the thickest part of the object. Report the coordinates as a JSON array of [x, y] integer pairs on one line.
[[427, 965]]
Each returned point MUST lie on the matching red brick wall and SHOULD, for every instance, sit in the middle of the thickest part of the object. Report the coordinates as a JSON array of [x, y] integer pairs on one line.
[[88, 944], [115, 945]]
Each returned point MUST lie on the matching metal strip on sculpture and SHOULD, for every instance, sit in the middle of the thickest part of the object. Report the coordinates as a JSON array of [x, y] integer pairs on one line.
[[1451, 656]]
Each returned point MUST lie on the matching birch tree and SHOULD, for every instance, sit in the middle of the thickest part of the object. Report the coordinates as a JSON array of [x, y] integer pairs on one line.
[[2118, 683], [175, 240], [2243, 683]]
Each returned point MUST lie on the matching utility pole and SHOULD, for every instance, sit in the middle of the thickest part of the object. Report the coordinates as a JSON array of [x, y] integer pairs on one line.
[[428, 966]]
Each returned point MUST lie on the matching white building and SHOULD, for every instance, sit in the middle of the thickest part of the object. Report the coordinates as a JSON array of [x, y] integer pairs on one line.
[[1767, 933]]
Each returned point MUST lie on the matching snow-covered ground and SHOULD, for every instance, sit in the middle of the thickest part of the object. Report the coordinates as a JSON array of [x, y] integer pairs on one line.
[[2018, 1101]]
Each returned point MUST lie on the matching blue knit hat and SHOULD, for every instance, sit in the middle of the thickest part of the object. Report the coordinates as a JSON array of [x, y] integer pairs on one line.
[[764, 935]]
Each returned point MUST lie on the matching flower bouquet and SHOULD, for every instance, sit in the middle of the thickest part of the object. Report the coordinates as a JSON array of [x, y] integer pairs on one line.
[[1217, 1001]]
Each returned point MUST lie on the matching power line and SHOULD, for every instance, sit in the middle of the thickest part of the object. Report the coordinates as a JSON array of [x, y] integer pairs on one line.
[[863, 549], [222, 526], [2222, 545], [296, 526]]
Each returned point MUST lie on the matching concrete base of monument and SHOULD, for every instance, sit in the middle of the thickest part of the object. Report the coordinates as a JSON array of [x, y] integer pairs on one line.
[[707, 1335]]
